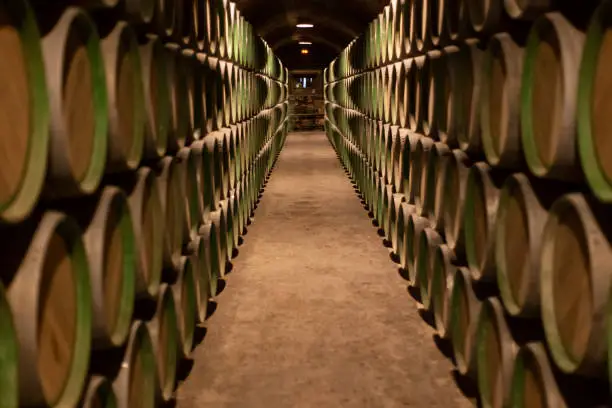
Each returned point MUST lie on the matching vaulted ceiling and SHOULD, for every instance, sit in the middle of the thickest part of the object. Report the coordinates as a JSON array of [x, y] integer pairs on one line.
[[336, 23]]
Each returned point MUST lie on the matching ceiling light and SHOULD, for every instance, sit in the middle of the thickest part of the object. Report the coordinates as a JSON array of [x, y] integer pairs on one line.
[[305, 43], [305, 51], [305, 25]]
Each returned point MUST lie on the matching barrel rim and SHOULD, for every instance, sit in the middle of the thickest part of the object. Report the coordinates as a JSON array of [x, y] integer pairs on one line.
[[21, 203], [113, 204], [74, 19], [561, 356], [492, 309], [475, 189], [125, 43], [598, 181], [58, 223], [516, 185]]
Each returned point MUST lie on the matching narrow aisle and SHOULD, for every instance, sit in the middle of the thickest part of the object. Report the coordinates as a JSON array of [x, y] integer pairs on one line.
[[315, 313]]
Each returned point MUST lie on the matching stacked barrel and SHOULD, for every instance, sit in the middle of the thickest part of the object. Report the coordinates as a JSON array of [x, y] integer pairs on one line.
[[477, 133], [135, 137]]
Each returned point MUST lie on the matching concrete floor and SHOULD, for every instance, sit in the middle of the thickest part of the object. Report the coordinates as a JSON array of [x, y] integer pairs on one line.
[[315, 313]]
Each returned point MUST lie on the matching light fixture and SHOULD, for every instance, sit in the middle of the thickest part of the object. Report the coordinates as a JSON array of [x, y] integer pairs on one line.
[[305, 43], [305, 51], [305, 25]]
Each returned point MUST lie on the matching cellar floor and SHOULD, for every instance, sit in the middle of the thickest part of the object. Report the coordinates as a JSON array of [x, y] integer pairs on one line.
[[315, 314]]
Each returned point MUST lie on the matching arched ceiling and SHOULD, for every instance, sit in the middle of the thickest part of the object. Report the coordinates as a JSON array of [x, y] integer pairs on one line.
[[336, 23]]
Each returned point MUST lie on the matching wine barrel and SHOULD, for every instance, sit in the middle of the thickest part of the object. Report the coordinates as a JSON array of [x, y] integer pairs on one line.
[[149, 230], [401, 95], [500, 102], [465, 310], [441, 287], [234, 209], [217, 218], [418, 102], [211, 268], [389, 93], [548, 98], [185, 292], [379, 200], [414, 97], [199, 262], [402, 233], [157, 98], [111, 246], [163, 329], [416, 224], [24, 133], [169, 186], [407, 156], [189, 165], [465, 84], [457, 172], [482, 193], [430, 88], [594, 105], [429, 240], [99, 394], [214, 100], [226, 69], [433, 187], [399, 146], [180, 88], [385, 221], [441, 114], [379, 102], [135, 383], [211, 162], [209, 265], [197, 90], [226, 209], [75, 77], [378, 37], [575, 266], [387, 153], [125, 99], [521, 215], [222, 179], [229, 138], [45, 269], [396, 222], [418, 172], [496, 351]]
